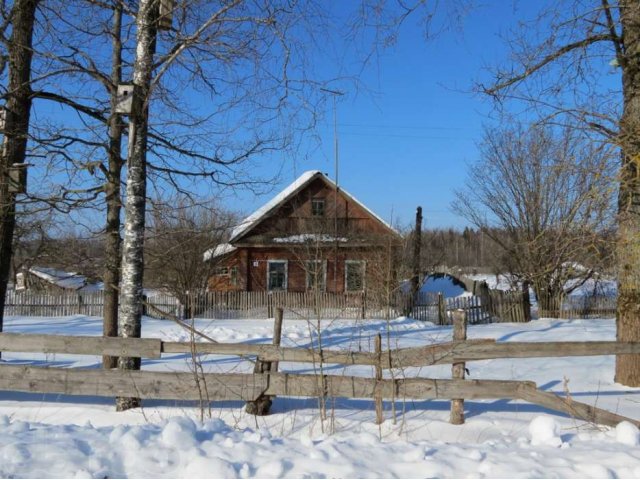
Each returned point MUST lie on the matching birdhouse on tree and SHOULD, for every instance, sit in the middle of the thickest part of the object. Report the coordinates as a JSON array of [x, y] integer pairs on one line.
[[18, 178], [124, 99], [165, 15]]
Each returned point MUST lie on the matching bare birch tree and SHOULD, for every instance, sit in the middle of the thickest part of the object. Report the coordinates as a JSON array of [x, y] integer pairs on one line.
[[179, 234]]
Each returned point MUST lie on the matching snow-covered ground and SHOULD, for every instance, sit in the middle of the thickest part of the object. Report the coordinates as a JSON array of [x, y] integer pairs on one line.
[[63, 436]]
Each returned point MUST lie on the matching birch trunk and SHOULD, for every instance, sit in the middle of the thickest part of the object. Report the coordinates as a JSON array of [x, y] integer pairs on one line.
[[628, 316], [112, 191], [18, 108], [130, 317]]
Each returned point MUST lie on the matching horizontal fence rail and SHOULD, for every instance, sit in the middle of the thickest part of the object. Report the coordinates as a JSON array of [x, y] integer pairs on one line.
[[427, 355], [230, 386]]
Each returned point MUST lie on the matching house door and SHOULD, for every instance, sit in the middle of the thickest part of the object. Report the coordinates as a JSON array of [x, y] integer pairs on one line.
[[277, 275]]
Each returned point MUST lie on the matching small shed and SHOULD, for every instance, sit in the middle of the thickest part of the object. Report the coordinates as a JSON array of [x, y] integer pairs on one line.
[[46, 279]]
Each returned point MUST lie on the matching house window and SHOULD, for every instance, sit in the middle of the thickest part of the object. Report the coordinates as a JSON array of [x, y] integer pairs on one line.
[[317, 207], [221, 271], [354, 275], [277, 275], [316, 275], [234, 276], [21, 283]]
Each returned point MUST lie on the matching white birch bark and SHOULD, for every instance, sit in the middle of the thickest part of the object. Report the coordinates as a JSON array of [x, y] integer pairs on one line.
[[129, 322]]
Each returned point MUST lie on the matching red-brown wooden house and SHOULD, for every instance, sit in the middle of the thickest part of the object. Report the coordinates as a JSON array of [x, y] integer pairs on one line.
[[312, 235]]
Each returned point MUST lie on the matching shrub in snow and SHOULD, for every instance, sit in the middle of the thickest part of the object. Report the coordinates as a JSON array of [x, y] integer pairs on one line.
[[544, 431], [628, 433]]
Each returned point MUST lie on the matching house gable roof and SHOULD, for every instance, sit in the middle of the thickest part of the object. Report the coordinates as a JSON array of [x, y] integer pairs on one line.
[[253, 220]]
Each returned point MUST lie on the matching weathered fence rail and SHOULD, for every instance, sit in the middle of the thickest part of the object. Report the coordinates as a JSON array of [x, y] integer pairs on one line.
[[184, 385], [427, 355]]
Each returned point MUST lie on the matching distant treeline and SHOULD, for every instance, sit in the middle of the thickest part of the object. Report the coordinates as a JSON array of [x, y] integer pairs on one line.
[[473, 249]]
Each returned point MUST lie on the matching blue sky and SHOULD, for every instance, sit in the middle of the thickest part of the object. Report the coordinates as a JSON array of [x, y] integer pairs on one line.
[[408, 139], [407, 133]]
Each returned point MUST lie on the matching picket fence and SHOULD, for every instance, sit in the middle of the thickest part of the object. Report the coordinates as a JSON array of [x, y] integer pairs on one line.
[[47, 304], [574, 307], [489, 306]]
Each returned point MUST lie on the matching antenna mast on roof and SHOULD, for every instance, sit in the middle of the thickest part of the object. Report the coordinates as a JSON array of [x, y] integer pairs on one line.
[[335, 94]]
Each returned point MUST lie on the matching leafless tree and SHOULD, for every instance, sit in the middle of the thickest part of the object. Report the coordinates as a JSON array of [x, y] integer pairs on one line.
[[560, 65], [178, 236], [17, 110], [545, 197], [31, 241]]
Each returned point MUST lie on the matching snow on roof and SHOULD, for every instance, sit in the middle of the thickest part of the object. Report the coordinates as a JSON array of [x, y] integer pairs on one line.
[[249, 222], [220, 250], [309, 237], [252, 220], [62, 279]]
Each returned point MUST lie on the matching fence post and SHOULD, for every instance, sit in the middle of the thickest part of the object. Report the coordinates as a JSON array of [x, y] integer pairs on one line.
[[442, 313], [526, 301], [262, 405], [457, 369], [363, 314], [269, 304]]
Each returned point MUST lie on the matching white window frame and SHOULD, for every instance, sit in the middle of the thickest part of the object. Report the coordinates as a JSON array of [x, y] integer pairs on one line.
[[324, 207], [324, 274], [21, 281], [221, 271], [364, 274], [234, 273], [286, 275]]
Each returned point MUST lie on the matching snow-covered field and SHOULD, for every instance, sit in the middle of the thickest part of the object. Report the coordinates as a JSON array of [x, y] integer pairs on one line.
[[63, 436]]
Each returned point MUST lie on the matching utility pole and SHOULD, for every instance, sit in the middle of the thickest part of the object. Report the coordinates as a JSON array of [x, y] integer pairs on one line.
[[417, 250]]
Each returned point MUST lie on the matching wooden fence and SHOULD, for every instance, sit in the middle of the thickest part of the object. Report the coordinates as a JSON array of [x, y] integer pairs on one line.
[[189, 386], [216, 305], [487, 306], [593, 306], [53, 304], [40, 304]]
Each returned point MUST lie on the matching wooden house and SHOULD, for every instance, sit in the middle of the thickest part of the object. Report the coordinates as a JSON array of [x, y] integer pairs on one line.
[[312, 236]]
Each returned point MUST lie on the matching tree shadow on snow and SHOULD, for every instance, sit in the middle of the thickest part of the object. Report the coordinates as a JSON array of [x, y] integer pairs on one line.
[[553, 326]]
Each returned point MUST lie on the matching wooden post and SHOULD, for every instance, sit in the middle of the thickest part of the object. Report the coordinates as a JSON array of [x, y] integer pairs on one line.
[[457, 369], [526, 301], [277, 333], [442, 314], [417, 245], [262, 405], [269, 305], [378, 399]]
